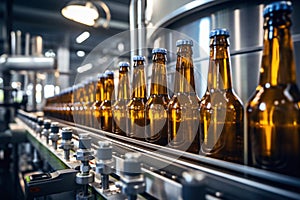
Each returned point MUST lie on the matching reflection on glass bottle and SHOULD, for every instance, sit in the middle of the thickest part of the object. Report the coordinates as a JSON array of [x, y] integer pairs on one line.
[[136, 106], [222, 112], [85, 103], [183, 109], [157, 104], [69, 105], [119, 108], [105, 107], [273, 113], [78, 106], [99, 98], [91, 100]]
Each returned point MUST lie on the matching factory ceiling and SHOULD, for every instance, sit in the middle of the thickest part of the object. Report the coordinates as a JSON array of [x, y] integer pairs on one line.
[[44, 18]]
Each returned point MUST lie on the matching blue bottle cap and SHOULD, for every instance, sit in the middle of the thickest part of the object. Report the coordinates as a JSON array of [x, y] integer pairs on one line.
[[138, 58], [219, 31], [109, 73], [184, 42], [124, 64], [159, 50], [278, 6]]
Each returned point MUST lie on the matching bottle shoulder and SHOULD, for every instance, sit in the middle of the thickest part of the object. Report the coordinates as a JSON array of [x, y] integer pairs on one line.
[[97, 103], [120, 102], [159, 100], [136, 103], [224, 98], [275, 96], [105, 104], [185, 100]]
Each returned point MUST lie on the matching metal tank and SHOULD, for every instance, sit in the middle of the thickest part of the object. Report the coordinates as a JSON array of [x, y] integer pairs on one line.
[[195, 19]]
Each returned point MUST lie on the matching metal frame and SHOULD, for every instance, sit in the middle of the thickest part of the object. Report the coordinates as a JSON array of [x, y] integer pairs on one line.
[[233, 181]]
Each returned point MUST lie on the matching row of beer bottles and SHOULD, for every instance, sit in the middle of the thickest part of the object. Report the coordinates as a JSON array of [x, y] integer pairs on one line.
[[214, 125]]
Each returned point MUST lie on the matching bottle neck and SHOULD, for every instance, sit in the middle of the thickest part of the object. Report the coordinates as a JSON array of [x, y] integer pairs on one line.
[[70, 97], [80, 94], [219, 73], [159, 75], [184, 77], [124, 90], [277, 66], [92, 91], [86, 93], [100, 90], [139, 83], [109, 88]]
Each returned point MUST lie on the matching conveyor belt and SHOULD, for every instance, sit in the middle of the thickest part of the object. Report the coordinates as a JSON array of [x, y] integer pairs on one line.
[[163, 168]]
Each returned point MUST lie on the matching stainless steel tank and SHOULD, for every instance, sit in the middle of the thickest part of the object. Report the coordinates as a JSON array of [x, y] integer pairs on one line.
[[195, 19]]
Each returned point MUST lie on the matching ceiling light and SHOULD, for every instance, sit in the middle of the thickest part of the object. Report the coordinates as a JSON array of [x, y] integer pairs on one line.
[[82, 37], [80, 53], [82, 12], [86, 12]]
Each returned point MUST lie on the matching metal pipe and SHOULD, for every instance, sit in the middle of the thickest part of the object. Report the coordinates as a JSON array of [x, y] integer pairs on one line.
[[104, 181], [8, 18], [13, 43], [18, 42], [133, 26], [27, 44], [141, 6], [34, 83]]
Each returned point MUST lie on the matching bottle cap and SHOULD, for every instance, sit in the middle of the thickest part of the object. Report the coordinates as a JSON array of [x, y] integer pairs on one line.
[[109, 73], [219, 31], [159, 50], [277, 7], [184, 42], [137, 58], [124, 64]]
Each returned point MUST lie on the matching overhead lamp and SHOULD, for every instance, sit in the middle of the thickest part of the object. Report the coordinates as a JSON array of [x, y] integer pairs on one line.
[[80, 53], [82, 37], [87, 12]]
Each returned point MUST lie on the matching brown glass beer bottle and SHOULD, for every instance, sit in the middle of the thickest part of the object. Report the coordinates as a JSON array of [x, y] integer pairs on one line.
[[183, 109], [222, 113], [273, 113], [119, 107], [157, 104], [136, 106]]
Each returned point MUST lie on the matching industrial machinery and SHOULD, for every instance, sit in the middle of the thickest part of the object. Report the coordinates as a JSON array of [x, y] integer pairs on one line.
[[124, 168], [62, 158]]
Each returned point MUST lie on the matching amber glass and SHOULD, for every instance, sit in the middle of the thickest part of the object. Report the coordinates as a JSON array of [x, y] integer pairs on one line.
[[157, 104], [136, 106], [273, 113], [70, 105], [85, 103], [65, 99], [78, 104], [119, 107], [183, 109], [99, 98], [105, 107], [222, 113], [90, 100]]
